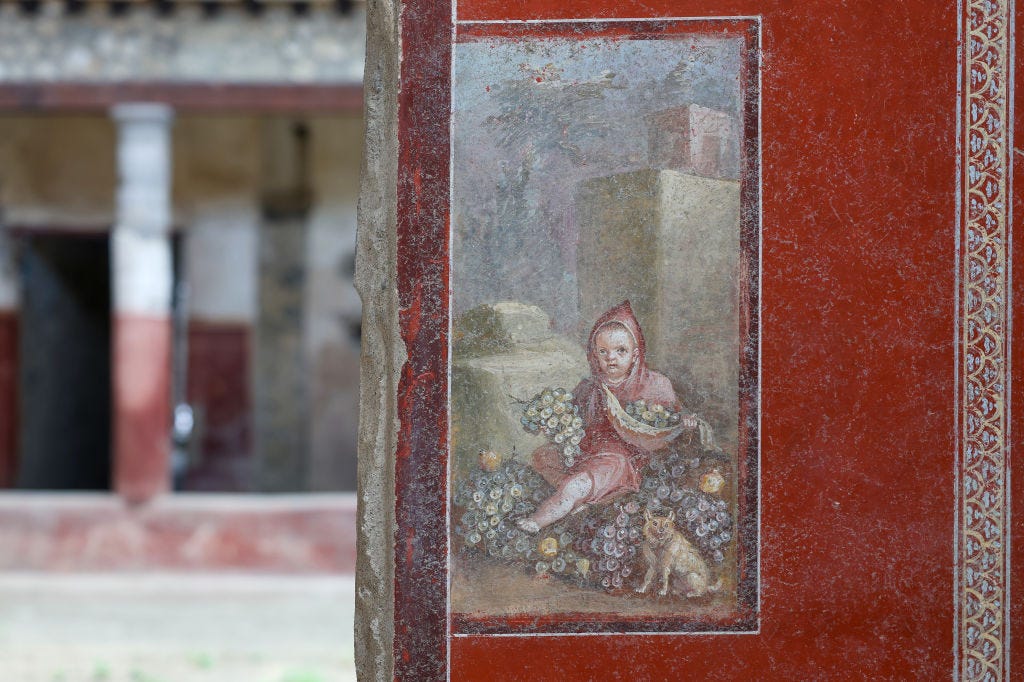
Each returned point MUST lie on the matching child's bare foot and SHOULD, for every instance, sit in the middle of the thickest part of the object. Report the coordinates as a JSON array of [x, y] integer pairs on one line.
[[528, 525]]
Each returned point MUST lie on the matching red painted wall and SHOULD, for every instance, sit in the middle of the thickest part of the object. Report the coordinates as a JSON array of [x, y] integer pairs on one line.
[[859, 131], [8, 398], [220, 392], [58, 532], [142, 415]]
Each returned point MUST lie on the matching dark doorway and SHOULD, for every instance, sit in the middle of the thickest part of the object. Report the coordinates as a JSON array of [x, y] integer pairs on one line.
[[65, 363]]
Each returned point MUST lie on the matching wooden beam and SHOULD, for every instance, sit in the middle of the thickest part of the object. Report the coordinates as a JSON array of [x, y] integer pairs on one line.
[[184, 97]]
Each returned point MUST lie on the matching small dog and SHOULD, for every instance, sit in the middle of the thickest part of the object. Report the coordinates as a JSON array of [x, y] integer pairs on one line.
[[668, 553]]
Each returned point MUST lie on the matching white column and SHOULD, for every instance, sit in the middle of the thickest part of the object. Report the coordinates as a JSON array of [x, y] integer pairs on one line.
[[142, 282]]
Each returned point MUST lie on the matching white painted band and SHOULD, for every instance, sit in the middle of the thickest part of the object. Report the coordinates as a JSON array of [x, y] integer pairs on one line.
[[222, 261], [142, 273], [10, 289], [144, 166]]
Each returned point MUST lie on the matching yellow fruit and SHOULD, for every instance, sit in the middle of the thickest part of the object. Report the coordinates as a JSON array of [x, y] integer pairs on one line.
[[548, 547], [712, 481]]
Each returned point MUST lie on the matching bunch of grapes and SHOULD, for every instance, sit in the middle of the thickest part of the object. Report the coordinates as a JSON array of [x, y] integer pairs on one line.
[[553, 413], [611, 540], [652, 414]]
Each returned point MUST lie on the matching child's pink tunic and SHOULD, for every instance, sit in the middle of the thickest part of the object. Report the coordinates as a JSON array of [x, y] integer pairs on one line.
[[613, 464]]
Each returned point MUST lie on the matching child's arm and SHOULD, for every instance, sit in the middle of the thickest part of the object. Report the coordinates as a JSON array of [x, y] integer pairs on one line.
[[663, 393]]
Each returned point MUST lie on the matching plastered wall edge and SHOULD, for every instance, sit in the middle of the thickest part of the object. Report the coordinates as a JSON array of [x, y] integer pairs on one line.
[[382, 351]]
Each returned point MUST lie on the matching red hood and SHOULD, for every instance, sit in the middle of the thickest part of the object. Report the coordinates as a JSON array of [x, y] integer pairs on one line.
[[621, 314]]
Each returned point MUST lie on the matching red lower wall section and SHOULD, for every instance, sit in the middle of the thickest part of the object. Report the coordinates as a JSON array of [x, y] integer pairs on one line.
[[8, 398], [142, 414], [220, 392], [100, 532]]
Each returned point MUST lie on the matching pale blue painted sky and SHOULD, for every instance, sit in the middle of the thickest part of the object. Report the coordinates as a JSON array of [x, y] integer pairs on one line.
[[514, 234]]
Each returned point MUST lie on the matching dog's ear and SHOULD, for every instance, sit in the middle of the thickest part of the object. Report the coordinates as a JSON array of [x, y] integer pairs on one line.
[[671, 515]]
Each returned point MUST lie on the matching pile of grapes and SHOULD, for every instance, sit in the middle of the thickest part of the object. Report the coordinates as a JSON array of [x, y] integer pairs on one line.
[[700, 512], [612, 535], [599, 547], [489, 503]]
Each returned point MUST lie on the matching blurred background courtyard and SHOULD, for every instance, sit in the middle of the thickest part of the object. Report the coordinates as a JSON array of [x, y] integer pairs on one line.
[[179, 339], [168, 627]]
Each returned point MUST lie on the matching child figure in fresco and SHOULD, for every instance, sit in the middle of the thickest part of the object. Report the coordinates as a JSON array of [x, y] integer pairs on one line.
[[608, 466]]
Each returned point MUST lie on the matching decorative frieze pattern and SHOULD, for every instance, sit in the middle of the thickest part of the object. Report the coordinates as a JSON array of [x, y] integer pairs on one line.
[[983, 514]]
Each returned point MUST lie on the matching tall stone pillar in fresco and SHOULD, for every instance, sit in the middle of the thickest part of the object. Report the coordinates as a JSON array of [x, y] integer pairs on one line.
[[675, 233], [142, 284]]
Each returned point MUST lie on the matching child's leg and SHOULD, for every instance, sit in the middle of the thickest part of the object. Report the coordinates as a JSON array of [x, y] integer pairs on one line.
[[547, 461], [569, 495]]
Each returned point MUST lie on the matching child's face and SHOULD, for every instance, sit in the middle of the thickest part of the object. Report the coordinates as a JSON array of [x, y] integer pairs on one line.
[[616, 353]]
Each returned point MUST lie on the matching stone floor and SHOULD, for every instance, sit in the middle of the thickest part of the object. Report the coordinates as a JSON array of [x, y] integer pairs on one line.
[[175, 628]]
